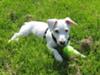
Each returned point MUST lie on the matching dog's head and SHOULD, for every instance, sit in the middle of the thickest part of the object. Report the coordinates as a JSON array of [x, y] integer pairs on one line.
[[60, 29]]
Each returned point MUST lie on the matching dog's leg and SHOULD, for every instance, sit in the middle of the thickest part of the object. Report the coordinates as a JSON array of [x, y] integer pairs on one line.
[[55, 53], [24, 31], [57, 56], [15, 37]]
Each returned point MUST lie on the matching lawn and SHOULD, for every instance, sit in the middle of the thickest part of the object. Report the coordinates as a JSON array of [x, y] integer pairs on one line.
[[30, 56]]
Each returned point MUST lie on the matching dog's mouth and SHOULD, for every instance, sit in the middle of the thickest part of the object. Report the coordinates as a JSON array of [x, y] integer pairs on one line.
[[62, 44]]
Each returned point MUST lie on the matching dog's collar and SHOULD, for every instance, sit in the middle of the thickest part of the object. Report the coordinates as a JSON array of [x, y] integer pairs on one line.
[[45, 33], [53, 37]]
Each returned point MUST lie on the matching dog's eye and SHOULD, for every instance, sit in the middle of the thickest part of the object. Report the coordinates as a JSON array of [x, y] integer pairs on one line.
[[56, 31], [66, 30]]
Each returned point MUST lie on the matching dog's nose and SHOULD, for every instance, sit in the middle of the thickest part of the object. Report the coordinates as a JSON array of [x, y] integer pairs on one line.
[[62, 42]]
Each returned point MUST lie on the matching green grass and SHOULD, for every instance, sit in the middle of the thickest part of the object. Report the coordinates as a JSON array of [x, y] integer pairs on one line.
[[30, 56]]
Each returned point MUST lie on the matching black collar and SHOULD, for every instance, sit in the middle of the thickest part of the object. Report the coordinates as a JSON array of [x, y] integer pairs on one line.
[[53, 37], [45, 33]]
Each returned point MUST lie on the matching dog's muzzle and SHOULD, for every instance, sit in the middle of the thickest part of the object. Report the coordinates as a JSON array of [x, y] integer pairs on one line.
[[62, 42]]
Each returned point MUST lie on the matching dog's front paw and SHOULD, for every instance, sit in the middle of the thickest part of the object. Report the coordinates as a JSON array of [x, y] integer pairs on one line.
[[57, 56]]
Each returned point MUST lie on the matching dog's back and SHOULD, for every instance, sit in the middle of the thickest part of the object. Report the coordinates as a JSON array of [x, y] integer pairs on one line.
[[36, 27]]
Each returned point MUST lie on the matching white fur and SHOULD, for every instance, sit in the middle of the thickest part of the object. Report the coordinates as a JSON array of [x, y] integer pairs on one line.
[[38, 28]]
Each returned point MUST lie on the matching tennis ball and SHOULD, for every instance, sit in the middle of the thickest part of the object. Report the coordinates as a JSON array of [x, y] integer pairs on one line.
[[70, 51]]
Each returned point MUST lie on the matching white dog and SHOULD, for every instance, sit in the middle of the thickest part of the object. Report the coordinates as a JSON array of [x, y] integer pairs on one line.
[[55, 31]]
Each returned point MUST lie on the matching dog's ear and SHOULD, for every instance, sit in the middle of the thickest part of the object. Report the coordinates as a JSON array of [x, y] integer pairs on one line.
[[52, 23], [69, 21]]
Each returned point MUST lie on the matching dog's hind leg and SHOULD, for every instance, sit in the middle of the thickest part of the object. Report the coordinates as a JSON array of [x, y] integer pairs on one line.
[[15, 37], [24, 31]]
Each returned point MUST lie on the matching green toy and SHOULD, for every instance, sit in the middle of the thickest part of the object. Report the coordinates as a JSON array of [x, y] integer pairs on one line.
[[70, 51]]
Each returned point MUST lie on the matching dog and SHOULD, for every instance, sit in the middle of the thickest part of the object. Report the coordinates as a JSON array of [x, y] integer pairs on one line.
[[55, 31]]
